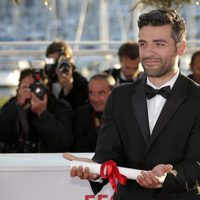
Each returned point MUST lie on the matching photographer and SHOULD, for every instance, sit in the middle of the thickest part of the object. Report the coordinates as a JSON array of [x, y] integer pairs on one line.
[[34, 120], [129, 70], [67, 84]]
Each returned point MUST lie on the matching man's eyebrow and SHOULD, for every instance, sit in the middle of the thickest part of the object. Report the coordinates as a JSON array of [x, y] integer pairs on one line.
[[160, 40], [141, 40]]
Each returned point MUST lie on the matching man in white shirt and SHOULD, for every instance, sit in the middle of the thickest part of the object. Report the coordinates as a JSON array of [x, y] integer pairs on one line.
[[154, 123]]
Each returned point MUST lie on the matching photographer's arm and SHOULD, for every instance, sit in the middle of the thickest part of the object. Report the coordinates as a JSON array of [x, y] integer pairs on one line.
[[54, 126], [8, 117], [23, 94], [38, 106], [10, 113]]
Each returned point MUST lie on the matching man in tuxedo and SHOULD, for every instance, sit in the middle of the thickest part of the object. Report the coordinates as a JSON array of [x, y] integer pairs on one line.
[[153, 124]]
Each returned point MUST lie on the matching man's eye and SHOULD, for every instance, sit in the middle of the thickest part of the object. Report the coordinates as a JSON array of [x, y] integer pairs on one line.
[[160, 44], [141, 44], [101, 93]]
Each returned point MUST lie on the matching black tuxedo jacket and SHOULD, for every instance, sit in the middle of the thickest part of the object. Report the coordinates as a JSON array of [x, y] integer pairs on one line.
[[125, 138]]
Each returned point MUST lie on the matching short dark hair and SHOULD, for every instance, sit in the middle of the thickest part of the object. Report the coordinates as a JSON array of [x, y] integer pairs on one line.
[[60, 47], [24, 73], [164, 16], [194, 55], [104, 76], [129, 49]]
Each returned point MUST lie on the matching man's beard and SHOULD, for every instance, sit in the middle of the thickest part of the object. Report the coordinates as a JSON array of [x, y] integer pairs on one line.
[[157, 71]]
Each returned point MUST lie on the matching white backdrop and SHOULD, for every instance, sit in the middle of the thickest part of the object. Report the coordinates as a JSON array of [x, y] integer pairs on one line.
[[43, 177]]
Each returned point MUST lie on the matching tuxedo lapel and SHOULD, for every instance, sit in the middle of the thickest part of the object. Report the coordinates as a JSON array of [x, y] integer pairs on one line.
[[177, 96], [140, 109]]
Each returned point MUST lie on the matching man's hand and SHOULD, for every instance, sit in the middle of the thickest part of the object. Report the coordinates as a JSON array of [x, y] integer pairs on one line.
[[23, 93], [154, 178], [38, 106], [80, 172]]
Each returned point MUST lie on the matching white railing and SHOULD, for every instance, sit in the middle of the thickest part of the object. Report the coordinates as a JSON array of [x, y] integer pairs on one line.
[[37, 48], [91, 57]]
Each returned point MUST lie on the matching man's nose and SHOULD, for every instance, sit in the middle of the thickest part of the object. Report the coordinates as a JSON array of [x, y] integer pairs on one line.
[[150, 48], [95, 97]]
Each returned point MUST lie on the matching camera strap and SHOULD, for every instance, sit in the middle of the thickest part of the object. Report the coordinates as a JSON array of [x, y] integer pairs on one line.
[[22, 125]]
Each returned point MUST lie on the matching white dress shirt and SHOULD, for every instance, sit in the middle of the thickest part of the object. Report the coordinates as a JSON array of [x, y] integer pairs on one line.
[[155, 104]]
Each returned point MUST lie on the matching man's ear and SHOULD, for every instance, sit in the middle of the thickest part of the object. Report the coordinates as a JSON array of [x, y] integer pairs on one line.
[[181, 48]]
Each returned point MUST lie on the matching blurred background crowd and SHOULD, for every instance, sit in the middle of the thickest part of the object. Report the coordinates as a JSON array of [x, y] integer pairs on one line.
[[94, 29], [60, 60]]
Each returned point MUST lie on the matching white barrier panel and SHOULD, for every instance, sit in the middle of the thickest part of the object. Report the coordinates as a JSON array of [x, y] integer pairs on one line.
[[43, 177]]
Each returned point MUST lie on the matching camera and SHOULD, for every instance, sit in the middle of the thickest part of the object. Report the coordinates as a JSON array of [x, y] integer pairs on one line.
[[50, 69], [38, 74], [64, 66], [38, 88]]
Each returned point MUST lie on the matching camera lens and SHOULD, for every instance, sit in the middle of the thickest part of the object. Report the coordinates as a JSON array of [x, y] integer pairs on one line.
[[64, 66], [38, 89]]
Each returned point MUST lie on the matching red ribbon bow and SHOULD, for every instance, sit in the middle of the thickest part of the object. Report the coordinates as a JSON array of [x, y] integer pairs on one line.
[[110, 171]]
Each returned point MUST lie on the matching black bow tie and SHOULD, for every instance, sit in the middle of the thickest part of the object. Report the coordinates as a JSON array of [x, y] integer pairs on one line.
[[151, 92]]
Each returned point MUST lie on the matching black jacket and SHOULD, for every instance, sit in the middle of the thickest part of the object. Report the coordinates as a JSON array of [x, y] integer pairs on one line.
[[78, 96], [25, 132], [125, 138], [85, 131]]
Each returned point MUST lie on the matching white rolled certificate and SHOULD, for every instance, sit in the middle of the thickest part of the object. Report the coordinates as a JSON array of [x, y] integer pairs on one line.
[[95, 169]]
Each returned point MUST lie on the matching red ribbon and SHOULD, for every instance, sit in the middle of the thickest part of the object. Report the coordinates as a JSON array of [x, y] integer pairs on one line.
[[110, 171]]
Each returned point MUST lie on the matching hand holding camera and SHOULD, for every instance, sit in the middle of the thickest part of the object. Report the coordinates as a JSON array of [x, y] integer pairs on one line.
[[32, 91], [60, 70], [23, 93], [38, 106], [33, 97], [38, 92]]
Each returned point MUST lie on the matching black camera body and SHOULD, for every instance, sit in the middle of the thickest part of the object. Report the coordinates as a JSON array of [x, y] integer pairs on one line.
[[39, 89], [64, 66], [38, 74], [50, 71]]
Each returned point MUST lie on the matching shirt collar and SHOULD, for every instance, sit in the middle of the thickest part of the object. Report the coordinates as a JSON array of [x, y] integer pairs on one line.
[[169, 83]]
